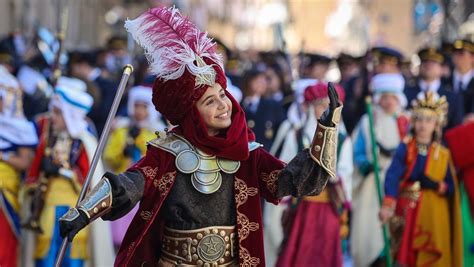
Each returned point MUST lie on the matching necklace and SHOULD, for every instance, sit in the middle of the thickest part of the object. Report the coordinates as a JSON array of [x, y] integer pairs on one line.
[[422, 149]]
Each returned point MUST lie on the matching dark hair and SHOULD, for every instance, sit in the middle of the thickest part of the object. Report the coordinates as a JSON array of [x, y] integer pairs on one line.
[[249, 76]]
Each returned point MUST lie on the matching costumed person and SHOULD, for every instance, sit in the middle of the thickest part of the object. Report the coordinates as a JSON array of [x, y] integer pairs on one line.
[[17, 142], [59, 168], [200, 184], [316, 224], [127, 143], [421, 202], [390, 125], [313, 70], [461, 144]]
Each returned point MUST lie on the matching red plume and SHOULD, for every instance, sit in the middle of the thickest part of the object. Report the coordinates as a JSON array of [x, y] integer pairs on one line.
[[173, 43]]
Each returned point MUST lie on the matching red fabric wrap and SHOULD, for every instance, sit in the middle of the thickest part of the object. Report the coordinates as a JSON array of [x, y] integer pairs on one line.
[[231, 144], [175, 98], [306, 246], [320, 90], [80, 167], [142, 241], [461, 145], [408, 209]]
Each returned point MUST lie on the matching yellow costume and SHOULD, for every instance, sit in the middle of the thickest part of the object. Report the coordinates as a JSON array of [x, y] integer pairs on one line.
[[113, 153]]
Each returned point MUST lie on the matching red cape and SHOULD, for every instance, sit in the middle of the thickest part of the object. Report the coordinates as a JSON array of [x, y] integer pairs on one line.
[[257, 177]]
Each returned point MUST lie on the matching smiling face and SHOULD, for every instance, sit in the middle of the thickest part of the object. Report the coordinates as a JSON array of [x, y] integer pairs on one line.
[[215, 109]]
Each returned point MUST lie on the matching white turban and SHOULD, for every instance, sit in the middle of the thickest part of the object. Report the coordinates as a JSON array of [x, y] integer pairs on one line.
[[143, 94], [74, 102], [389, 83], [14, 128]]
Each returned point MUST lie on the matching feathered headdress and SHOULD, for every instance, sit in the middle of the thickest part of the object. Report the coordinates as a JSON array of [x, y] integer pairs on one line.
[[431, 104], [182, 57], [172, 44]]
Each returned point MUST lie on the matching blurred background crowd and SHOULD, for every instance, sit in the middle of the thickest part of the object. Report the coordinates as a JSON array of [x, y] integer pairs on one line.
[[274, 50]]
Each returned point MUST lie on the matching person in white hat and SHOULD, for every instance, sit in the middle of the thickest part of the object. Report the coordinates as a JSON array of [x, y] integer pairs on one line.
[[390, 126], [17, 142], [61, 165]]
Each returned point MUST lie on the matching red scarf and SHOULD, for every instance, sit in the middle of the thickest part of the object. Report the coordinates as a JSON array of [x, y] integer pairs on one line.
[[231, 144]]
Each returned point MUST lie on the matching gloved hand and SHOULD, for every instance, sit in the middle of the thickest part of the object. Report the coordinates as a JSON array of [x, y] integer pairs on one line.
[[327, 117], [49, 167], [72, 222]]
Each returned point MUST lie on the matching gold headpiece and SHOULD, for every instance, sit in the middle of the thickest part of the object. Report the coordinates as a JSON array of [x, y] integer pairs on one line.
[[431, 104]]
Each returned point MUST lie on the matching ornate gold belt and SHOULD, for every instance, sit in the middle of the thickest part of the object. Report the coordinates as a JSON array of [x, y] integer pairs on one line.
[[411, 190], [210, 246]]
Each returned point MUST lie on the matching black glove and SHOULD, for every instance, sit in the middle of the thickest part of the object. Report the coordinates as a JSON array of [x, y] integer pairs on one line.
[[326, 118], [49, 167], [69, 228]]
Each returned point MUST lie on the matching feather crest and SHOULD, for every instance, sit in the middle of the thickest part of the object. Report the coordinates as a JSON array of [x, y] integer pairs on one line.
[[172, 44]]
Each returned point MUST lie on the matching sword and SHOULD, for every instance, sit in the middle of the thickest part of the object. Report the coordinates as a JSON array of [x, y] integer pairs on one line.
[[127, 71]]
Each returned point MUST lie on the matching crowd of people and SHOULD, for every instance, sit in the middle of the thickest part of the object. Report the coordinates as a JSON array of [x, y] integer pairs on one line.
[[422, 126]]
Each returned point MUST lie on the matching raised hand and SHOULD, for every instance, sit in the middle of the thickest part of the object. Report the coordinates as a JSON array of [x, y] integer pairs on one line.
[[331, 117]]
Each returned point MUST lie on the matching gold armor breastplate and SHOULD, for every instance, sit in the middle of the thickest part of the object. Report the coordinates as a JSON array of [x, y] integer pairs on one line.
[[205, 169]]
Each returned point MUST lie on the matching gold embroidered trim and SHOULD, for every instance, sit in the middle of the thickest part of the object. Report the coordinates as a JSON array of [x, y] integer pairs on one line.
[[149, 172], [146, 215], [246, 260], [165, 182], [271, 180], [243, 192], [246, 226]]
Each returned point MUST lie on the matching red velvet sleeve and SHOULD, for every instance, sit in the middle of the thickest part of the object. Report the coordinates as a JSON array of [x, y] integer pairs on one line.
[[268, 171], [301, 177]]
